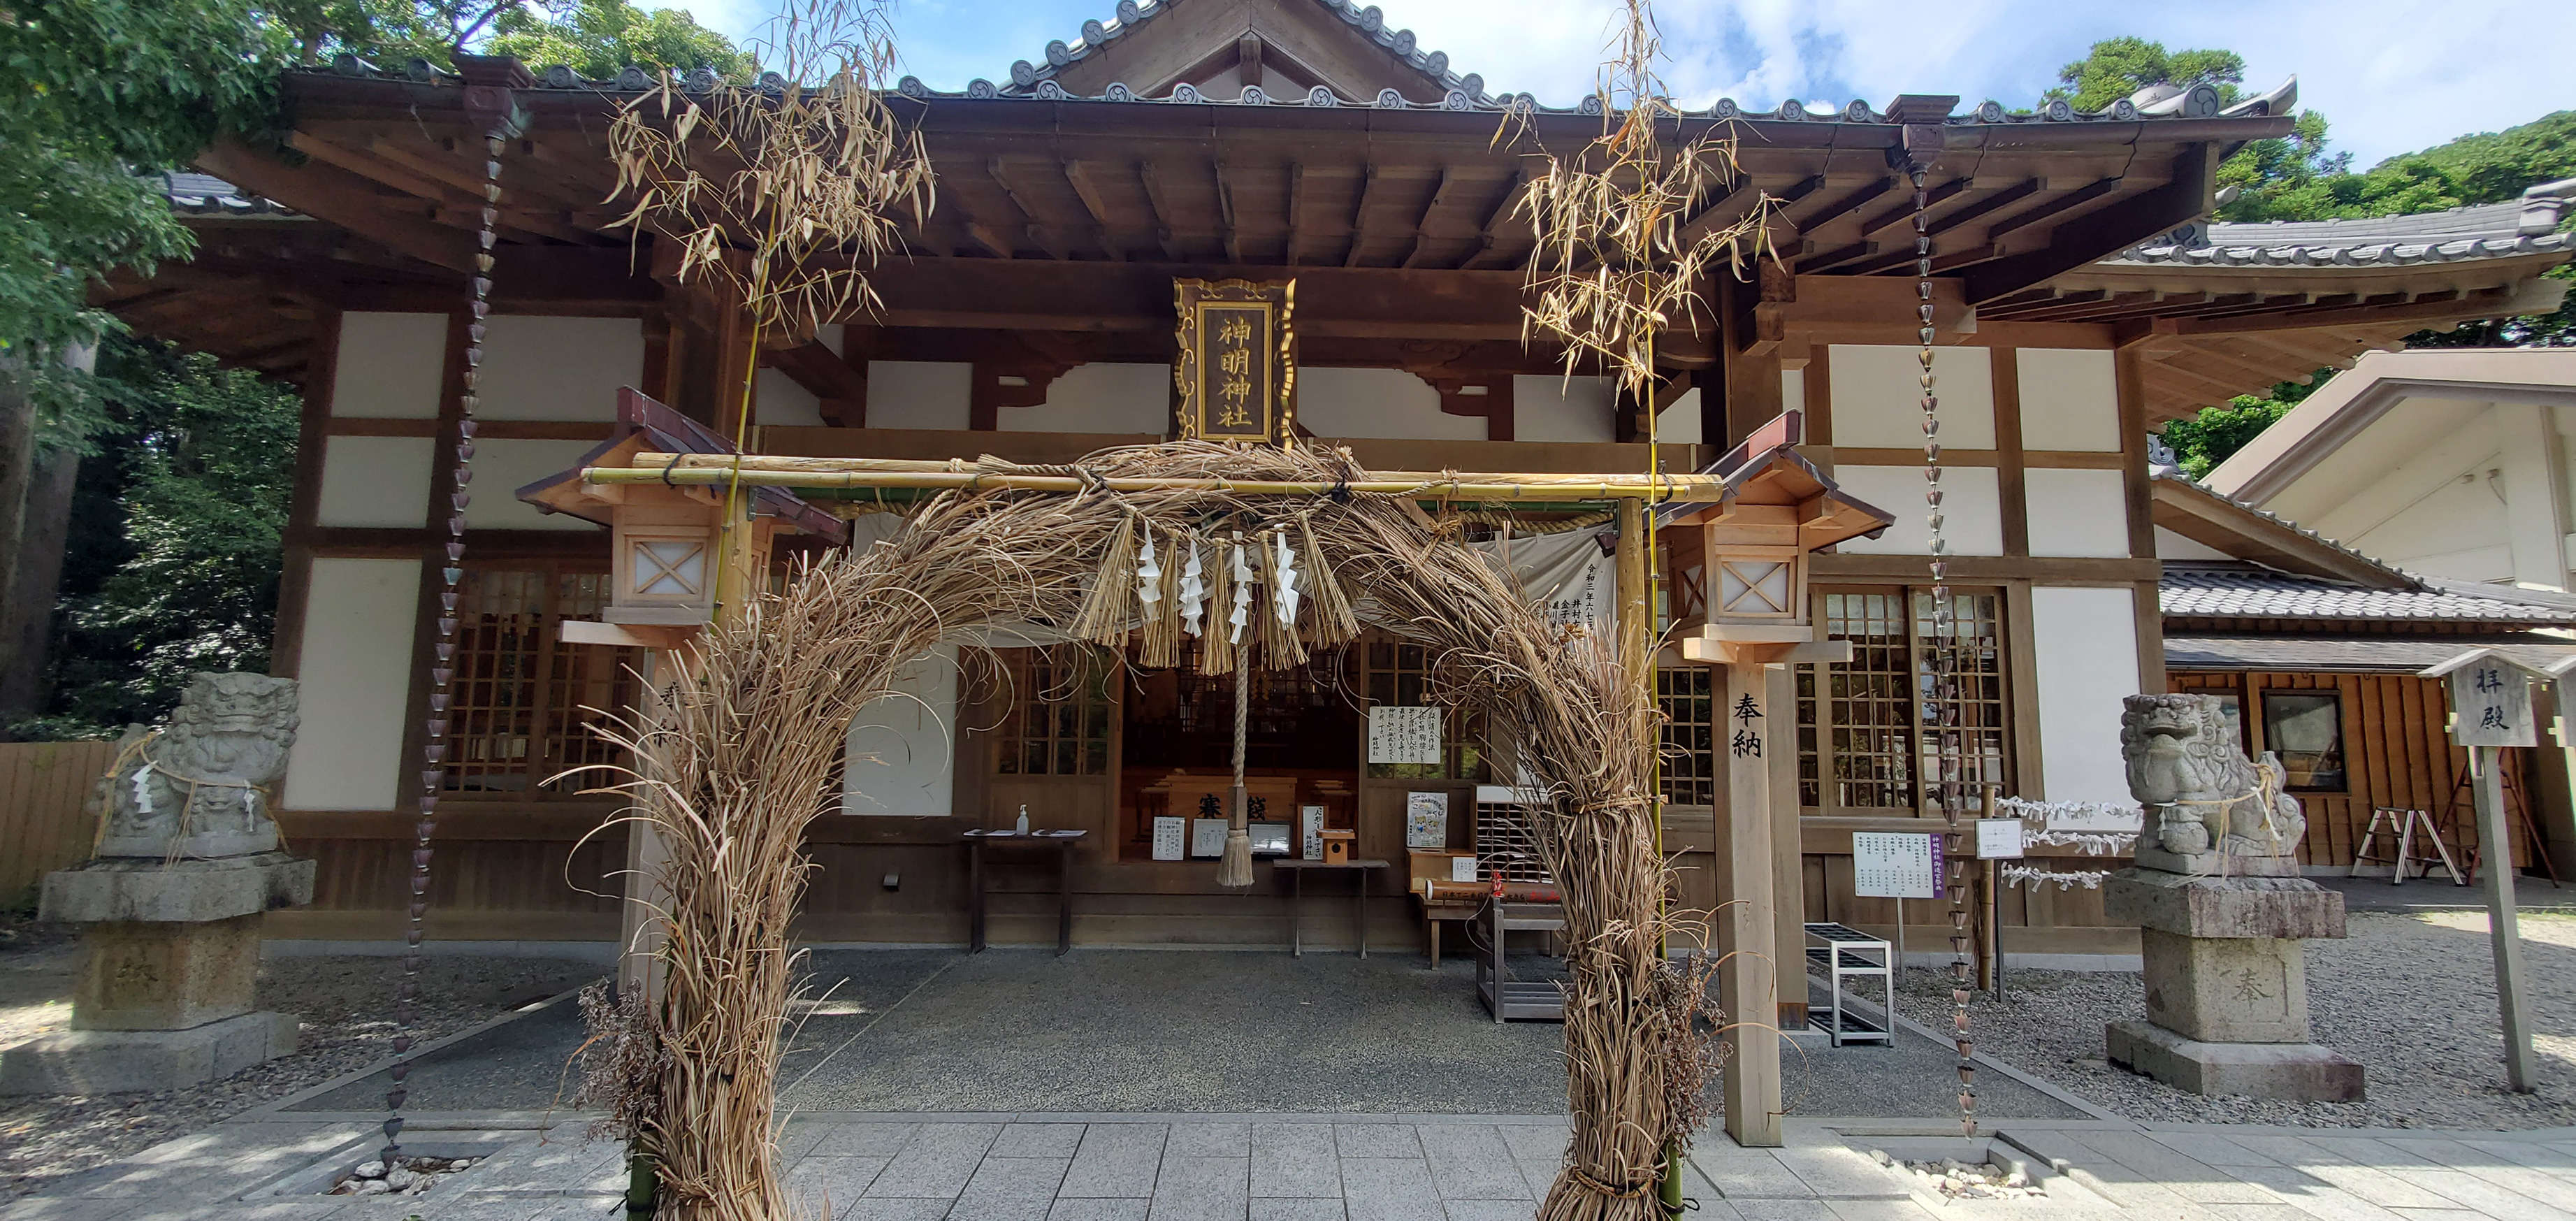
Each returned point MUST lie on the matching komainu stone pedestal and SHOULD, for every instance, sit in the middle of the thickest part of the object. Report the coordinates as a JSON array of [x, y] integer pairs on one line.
[[168, 963], [2227, 985]]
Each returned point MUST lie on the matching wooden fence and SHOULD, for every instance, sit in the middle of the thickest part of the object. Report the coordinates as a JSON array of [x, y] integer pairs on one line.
[[45, 820]]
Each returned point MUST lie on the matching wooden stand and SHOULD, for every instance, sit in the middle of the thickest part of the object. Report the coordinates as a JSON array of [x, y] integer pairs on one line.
[[1297, 871], [976, 880]]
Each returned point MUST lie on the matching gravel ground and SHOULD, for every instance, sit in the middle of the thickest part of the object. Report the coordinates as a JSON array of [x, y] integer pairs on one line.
[[2410, 996], [346, 1005]]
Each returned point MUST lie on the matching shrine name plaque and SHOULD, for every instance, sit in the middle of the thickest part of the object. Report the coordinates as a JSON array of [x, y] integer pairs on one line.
[[1236, 366]]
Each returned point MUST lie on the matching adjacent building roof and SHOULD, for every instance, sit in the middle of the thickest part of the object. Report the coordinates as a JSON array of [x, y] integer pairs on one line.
[[2216, 520], [197, 194], [2379, 383], [2241, 590], [2529, 225], [2351, 654]]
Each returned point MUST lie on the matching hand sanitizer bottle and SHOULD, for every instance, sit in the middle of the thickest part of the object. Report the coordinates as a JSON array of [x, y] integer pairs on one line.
[[1024, 820]]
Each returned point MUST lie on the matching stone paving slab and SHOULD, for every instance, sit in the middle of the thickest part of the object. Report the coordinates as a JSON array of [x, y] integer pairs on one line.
[[1348, 1168]]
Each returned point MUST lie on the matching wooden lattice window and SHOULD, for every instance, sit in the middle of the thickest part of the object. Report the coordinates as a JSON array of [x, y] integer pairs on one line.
[[1689, 759], [1912, 705], [523, 702], [1061, 706], [1399, 675]]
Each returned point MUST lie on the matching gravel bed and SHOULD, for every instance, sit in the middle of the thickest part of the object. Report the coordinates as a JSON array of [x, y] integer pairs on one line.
[[346, 1006], [2410, 996]]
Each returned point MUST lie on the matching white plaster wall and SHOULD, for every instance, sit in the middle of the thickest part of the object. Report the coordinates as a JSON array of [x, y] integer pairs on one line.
[[356, 668], [2172, 546], [1971, 504], [1679, 424], [1555, 408], [1103, 398], [2070, 399], [900, 747], [1793, 389], [919, 393], [1383, 403], [390, 366], [540, 368], [1878, 396], [502, 467], [2085, 645], [2076, 512], [375, 481], [785, 403]]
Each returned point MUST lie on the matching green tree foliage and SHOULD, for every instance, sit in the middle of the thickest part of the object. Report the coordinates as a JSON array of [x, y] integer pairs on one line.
[[2218, 432], [596, 37], [599, 38], [173, 560], [2116, 67], [91, 90]]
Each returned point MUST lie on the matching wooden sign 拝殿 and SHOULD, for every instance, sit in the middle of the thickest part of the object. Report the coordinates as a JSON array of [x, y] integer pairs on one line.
[[1236, 366]]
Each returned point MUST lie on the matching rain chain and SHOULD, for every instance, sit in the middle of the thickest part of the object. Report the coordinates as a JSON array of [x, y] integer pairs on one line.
[[442, 672], [1945, 671]]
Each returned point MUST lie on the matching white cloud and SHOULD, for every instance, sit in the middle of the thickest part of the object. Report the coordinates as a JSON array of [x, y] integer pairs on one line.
[[2389, 74]]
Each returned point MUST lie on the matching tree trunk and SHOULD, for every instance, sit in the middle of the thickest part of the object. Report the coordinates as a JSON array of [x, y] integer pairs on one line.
[[27, 610], [17, 470]]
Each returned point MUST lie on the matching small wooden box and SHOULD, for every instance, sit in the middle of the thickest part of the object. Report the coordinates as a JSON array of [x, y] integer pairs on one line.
[[1337, 846]]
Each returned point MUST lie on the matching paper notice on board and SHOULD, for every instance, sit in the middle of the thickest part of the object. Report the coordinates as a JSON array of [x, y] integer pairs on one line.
[[1404, 735], [1896, 865], [1207, 836], [1168, 833], [1310, 825], [1999, 839]]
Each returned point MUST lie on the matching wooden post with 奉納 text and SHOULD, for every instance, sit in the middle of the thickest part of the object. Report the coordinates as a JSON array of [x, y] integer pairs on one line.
[[2490, 710]]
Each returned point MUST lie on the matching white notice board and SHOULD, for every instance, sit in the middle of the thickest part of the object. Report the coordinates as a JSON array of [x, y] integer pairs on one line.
[[1896, 865], [1404, 735], [1999, 839]]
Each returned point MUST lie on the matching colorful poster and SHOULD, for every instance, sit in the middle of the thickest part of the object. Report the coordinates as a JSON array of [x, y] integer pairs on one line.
[[1426, 820]]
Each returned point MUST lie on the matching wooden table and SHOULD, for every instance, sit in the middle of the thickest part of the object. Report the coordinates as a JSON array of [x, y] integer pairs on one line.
[[1062, 841], [1297, 870]]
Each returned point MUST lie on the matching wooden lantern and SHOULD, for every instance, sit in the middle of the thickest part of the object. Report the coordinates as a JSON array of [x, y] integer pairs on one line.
[[1749, 552]]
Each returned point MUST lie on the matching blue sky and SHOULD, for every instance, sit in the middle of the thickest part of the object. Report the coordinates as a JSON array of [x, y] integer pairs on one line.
[[2391, 75]]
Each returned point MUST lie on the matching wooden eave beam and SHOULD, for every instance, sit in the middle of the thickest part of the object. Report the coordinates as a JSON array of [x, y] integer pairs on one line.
[[1077, 175], [2468, 305], [2105, 230], [341, 198], [1360, 215], [1160, 208]]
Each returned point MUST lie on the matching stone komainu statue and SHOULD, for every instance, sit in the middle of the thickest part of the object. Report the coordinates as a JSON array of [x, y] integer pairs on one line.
[[2197, 785], [202, 785]]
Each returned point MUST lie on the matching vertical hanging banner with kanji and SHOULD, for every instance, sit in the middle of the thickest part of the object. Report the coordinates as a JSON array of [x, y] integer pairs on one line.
[[1236, 366]]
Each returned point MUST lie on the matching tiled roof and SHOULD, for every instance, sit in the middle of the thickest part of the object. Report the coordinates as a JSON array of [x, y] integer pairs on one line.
[[2249, 591], [1369, 21], [2486, 231], [2163, 465], [207, 195], [1465, 93], [2372, 654]]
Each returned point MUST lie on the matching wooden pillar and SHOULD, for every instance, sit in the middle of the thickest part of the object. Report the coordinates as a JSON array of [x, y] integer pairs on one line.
[[640, 935], [2504, 920], [1748, 977], [1788, 867]]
